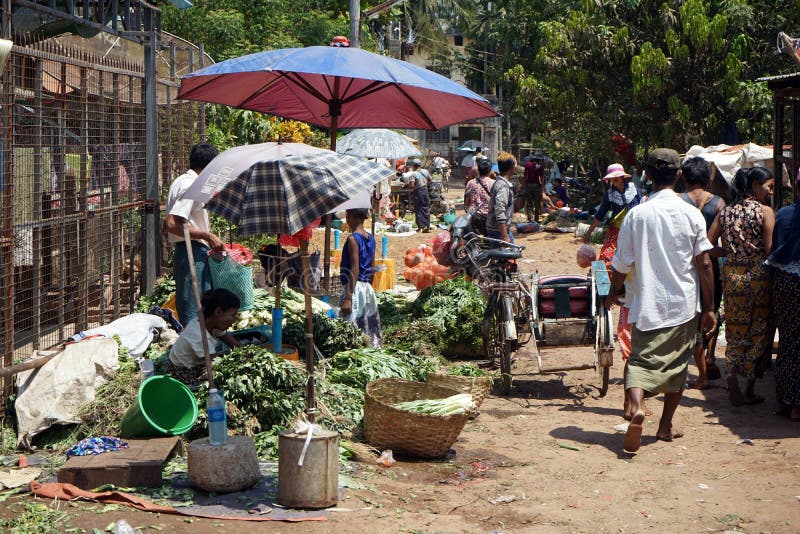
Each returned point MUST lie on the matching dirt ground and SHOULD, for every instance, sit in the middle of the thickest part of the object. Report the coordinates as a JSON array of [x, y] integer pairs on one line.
[[549, 459]]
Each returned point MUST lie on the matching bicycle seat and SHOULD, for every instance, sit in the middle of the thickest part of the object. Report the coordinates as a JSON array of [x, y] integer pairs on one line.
[[502, 254]]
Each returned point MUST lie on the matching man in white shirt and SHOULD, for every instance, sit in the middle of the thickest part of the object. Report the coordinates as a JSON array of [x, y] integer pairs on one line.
[[182, 211], [663, 242]]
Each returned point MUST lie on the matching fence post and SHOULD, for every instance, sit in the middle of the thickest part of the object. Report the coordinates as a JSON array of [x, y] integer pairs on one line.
[[151, 247]]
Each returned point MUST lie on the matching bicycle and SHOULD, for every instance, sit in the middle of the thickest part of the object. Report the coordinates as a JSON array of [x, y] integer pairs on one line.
[[508, 318], [548, 312]]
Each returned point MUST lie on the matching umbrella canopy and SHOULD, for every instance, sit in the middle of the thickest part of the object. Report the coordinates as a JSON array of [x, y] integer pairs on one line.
[[284, 195], [376, 143], [337, 88], [472, 145], [234, 161]]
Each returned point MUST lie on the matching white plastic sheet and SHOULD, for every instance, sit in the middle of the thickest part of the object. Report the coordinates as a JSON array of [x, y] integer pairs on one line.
[[54, 393], [136, 331]]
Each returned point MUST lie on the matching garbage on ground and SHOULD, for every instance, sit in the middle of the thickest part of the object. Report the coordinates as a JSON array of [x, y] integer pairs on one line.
[[14, 478], [386, 459], [503, 499], [96, 445]]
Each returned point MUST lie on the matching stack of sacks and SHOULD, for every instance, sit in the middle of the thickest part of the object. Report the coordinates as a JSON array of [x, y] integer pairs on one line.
[[423, 269]]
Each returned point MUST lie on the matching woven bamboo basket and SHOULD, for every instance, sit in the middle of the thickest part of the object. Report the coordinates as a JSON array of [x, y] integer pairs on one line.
[[477, 386], [408, 433]]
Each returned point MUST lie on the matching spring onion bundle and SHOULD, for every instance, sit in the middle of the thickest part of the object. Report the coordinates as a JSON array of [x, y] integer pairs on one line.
[[454, 405]]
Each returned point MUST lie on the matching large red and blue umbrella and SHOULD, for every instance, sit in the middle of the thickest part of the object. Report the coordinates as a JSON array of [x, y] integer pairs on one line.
[[336, 88]]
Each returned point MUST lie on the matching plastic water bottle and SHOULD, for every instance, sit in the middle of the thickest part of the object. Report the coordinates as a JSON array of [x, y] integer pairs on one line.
[[123, 527], [217, 423]]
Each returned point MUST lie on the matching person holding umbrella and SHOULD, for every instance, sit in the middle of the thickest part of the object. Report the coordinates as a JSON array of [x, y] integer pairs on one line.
[[182, 211], [419, 180]]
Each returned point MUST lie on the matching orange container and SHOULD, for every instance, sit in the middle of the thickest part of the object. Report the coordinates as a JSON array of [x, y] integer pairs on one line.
[[385, 276]]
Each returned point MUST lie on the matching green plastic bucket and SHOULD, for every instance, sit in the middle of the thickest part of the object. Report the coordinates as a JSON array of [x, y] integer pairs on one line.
[[164, 407]]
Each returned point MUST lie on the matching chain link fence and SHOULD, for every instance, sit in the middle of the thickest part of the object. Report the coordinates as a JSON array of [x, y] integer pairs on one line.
[[73, 176]]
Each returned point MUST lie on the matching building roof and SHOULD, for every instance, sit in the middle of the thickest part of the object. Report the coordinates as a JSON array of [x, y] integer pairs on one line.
[[782, 81]]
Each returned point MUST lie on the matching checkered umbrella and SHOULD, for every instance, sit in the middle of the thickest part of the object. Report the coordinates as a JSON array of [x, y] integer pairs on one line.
[[283, 196]]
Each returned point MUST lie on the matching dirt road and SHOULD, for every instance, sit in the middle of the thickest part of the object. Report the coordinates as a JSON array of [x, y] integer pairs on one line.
[[549, 459]]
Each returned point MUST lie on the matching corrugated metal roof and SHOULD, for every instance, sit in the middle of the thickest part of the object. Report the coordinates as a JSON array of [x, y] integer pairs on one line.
[[779, 77]]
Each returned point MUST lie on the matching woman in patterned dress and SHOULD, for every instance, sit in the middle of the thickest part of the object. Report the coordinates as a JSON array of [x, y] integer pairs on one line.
[[785, 264], [745, 228]]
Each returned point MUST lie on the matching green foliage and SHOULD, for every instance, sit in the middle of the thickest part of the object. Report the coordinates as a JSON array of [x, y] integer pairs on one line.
[[34, 518], [455, 308], [465, 370], [261, 389], [671, 73], [162, 290], [358, 367], [332, 336]]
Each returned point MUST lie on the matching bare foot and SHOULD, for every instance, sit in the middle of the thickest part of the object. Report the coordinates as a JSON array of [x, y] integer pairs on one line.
[[669, 434], [794, 415], [633, 436], [699, 383], [734, 393]]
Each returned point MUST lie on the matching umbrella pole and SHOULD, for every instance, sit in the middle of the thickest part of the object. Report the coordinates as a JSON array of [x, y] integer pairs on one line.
[[310, 402], [327, 254], [278, 277], [200, 318], [329, 218]]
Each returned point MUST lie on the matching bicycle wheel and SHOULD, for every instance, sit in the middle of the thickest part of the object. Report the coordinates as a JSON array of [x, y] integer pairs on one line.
[[504, 346], [601, 343], [488, 330]]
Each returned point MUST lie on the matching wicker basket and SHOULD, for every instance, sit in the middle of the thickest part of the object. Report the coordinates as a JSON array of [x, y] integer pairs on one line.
[[408, 433], [477, 386]]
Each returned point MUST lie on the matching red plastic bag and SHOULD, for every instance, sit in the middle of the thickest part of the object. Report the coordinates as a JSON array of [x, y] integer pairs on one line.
[[441, 248], [304, 235], [239, 253]]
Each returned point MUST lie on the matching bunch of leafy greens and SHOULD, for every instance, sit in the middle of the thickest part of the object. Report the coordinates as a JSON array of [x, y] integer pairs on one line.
[[332, 336], [261, 389], [358, 367], [162, 291], [418, 337], [340, 407], [455, 308], [392, 308]]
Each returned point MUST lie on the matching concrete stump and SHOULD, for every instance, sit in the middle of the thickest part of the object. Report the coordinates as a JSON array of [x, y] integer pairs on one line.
[[224, 468]]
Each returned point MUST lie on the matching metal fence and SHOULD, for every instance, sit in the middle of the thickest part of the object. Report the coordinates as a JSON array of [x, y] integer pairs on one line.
[[73, 186]]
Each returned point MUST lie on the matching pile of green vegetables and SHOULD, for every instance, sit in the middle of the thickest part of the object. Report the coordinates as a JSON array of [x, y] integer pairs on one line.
[[455, 309], [266, 393]]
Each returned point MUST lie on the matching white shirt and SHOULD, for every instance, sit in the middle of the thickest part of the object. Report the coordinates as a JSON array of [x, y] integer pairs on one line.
[[658, 242], [190, 210], [468, 161], [188, 348]]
